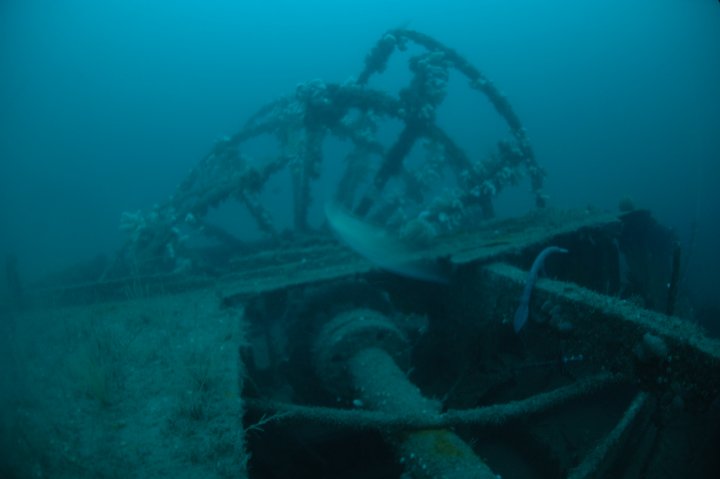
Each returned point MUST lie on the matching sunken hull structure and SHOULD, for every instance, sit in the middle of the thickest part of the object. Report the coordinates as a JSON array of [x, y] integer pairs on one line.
[[197, 353]]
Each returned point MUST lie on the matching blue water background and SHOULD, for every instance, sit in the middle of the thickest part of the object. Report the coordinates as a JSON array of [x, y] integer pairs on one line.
[[106, 105]]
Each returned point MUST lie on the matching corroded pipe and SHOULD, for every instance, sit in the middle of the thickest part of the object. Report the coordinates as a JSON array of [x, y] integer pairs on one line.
[[357, 354]]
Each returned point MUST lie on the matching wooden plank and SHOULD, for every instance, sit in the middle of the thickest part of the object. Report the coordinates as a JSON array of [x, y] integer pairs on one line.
[[328, 260], [322, 258], [511, 236]]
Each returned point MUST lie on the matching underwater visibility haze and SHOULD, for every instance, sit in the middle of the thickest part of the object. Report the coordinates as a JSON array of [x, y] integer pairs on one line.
[[313, 239]]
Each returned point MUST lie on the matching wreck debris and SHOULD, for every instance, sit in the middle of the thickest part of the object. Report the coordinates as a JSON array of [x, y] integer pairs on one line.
[[353, 112], [364, 350]]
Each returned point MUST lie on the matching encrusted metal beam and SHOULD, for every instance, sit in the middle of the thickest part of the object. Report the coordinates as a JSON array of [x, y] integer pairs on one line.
[[603, 456], [487, 416], [661, 353]]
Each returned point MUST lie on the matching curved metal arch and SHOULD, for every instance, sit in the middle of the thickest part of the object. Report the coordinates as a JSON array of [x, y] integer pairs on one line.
[[302, 121]]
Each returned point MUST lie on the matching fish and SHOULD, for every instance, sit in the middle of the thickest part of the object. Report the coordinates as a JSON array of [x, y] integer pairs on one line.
[[380, 247], [523, 310]]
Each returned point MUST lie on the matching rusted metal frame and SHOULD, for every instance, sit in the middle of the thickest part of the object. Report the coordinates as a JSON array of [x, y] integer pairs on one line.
[[375, 62], [460, 163], [315, 118], [609, 332], [391, 165]]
